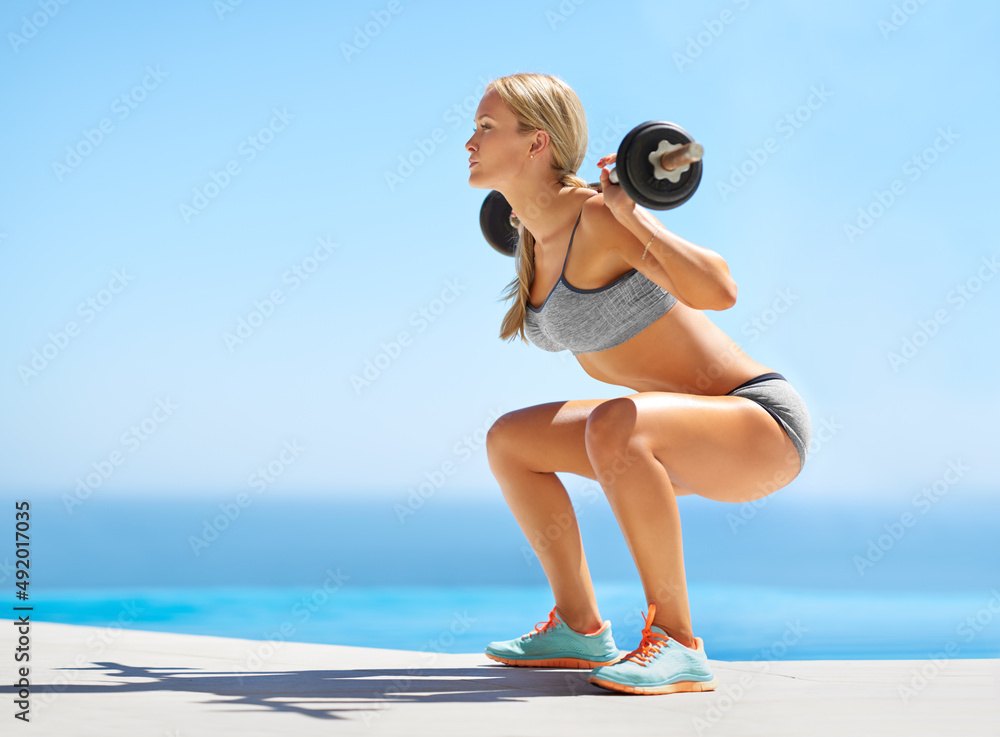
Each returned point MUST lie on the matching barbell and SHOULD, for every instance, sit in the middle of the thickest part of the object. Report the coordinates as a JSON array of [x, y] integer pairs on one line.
[[658, 166]]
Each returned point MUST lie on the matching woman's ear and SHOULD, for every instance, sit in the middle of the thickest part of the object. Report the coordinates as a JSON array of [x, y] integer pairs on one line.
[[540, 143]]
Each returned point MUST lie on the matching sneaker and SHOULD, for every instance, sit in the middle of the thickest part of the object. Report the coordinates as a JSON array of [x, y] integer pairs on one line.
[[553, 644], [660, 665]]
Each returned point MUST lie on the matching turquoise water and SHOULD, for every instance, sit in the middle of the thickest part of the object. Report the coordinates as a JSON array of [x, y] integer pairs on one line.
[[785, 582], [737, 623]]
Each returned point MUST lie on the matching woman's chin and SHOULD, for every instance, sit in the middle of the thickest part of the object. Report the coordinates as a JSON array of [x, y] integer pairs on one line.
[[477, 182]]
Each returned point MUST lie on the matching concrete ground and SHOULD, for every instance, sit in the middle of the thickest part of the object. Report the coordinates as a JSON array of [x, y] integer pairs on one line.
[[107, 682]]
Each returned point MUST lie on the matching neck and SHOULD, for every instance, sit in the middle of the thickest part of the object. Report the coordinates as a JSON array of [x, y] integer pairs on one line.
[[538, 206]]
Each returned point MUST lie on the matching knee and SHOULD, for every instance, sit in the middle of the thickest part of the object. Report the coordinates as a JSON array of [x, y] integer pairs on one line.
[[611, 433], [501, 437]]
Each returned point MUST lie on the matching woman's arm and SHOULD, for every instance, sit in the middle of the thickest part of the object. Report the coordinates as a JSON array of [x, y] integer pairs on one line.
[[696, 276], [700, 276]]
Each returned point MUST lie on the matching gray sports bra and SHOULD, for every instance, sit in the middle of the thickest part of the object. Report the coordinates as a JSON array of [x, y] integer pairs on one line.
[[587, 320]]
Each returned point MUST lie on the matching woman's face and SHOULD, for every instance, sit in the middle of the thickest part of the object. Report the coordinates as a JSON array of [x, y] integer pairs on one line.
[[497, 151]]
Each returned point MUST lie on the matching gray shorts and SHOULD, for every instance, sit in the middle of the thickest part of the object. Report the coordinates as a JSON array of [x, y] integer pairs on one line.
[[773, 392]]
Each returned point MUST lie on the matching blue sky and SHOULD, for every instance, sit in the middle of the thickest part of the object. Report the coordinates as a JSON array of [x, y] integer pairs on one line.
[[172, 170]]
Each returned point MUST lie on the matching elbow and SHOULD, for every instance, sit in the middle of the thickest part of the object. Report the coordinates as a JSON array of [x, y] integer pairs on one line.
[[728, 298], [723, 298], [726, 292], [719, 299]]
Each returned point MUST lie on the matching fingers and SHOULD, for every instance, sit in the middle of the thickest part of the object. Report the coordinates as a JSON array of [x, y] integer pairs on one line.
[[609, 159]]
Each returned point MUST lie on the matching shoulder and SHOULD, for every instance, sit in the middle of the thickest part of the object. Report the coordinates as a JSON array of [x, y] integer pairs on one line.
[[600, 219], [602, 227]]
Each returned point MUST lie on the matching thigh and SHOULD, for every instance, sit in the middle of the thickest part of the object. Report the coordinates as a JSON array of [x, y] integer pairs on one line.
[[725, 448], [547, 438], [544, 438]]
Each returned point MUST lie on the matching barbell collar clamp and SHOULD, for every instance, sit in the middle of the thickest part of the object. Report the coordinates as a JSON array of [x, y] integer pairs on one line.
[[676, 159]]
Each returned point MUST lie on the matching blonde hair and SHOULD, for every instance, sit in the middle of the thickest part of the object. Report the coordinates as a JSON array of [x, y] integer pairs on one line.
[[541, 102]]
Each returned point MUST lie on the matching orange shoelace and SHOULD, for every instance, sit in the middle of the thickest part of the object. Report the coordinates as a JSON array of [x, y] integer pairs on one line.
[[542, 627], [651, 641]]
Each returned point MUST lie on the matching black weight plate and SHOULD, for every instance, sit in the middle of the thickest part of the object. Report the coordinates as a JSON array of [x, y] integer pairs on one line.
[[494, 220], [636, 174]]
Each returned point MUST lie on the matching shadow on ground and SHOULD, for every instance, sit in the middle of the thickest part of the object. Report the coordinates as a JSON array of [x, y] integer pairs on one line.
[[330, 694]]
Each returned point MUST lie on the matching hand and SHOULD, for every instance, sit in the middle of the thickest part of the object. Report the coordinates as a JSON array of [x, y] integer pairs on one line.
[[615, 198]]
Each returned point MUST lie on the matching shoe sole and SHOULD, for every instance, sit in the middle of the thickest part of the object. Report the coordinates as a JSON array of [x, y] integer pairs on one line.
[[679, 687], [555, 662]]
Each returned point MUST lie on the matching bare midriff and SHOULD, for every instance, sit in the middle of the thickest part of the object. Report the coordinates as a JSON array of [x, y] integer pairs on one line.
[[683, 351]]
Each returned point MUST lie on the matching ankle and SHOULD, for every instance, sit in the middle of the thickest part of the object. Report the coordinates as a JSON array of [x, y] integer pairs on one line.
[[588, 630], [582, 625], [684, 637]]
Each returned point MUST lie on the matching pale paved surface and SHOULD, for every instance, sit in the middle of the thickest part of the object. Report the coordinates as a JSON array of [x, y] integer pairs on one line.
[[141, 683]]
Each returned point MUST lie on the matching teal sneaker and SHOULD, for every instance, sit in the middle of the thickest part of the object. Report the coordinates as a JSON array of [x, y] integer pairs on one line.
[[660, 665], [553, 644]]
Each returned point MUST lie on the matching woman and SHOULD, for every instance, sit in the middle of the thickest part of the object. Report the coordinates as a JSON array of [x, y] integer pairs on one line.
[[603, 278]]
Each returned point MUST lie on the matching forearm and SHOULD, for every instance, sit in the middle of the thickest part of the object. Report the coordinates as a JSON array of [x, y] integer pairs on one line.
[[700, 276]]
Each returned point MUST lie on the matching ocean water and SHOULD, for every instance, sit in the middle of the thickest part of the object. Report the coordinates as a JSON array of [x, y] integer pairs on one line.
[[795, 578], [736, 622]]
